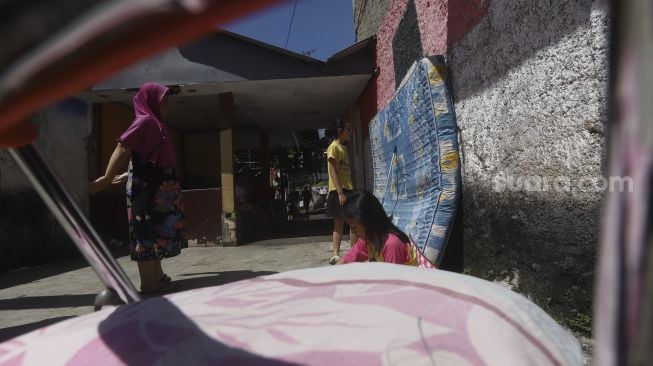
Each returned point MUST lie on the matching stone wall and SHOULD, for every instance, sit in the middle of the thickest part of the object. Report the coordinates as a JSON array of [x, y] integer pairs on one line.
[[29, 235]]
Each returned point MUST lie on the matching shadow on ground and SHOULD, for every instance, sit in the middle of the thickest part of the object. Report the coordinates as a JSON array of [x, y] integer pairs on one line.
[[11, 332], [31, 274], [47, 302], [208, 279]]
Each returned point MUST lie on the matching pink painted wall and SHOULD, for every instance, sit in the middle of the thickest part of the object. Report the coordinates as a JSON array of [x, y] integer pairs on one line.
[[441, 24], [463, 16], [367, 107]]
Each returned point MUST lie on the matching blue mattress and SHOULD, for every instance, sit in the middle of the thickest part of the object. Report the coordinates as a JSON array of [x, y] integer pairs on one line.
[[415, 157]]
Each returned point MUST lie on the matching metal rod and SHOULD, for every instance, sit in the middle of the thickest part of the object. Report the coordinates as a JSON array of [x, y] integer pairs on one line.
[[73, 221]]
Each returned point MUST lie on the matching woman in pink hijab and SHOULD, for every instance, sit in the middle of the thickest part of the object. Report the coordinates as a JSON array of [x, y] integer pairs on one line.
[[154, 205]]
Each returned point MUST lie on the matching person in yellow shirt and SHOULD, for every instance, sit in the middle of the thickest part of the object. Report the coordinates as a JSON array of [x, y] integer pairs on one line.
[[340, 184]]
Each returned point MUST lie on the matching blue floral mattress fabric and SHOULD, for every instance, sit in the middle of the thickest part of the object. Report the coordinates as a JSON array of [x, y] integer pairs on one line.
[[415, 157]]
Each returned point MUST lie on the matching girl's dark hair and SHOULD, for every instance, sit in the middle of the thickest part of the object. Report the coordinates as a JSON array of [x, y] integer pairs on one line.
[[364, 207], [338, 125]]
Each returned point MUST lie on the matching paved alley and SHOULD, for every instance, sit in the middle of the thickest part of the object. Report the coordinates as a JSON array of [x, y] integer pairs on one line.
[[34, 297]]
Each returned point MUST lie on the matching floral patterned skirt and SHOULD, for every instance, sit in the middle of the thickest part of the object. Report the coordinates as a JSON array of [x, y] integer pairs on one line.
[[155, 211]]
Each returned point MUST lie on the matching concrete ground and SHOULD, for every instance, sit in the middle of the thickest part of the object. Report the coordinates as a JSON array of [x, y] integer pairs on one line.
[[34, 297], [31, 298]]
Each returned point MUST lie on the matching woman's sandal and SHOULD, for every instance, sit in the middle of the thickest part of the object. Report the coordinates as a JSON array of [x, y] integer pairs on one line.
[[166, 278], [334, 260], [163, 288]]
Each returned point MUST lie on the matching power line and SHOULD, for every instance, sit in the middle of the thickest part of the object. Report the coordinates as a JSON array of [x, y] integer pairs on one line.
[[290, 25]]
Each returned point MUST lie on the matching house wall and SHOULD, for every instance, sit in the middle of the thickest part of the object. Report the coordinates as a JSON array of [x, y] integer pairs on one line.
[[112, 119], [108, 208], [529, 80], [279, 138], [198, 164], [29, 235], [355, 148], [201, 157]]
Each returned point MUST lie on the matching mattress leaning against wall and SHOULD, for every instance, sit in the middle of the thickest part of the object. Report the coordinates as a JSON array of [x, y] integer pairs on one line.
[[415, 157]]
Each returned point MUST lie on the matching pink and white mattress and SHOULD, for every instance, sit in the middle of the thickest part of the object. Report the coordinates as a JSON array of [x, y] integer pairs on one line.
[[356, 314]]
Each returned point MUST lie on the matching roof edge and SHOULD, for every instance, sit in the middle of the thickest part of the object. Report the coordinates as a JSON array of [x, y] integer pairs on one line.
[[356, 47], [268, 46]]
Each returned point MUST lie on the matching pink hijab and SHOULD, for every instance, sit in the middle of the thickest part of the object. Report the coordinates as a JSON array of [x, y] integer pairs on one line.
[[148, 136]]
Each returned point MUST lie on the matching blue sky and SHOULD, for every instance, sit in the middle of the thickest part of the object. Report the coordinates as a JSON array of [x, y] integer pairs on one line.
[[325, 26]]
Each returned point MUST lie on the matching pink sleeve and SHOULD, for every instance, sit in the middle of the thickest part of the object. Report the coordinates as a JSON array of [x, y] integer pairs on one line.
[[357, 253], [139, 137], [394, 250]]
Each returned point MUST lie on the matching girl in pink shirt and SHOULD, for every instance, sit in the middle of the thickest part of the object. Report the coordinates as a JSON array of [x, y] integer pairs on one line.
[[379, 240]]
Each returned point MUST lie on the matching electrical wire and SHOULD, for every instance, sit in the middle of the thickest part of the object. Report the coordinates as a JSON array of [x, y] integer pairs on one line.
[[290, 25]]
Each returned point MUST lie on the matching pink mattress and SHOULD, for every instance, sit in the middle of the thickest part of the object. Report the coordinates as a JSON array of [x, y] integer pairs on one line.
[[357, 314]]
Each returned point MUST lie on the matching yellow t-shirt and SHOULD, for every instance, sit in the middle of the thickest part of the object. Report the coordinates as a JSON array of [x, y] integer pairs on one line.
[[339, 152]]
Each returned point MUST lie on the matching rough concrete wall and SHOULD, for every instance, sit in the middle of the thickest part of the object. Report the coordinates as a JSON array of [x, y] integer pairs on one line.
[[368, 15], [529, 86], [28, 233]]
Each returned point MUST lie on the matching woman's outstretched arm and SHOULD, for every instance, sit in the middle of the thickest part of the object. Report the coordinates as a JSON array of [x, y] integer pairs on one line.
[[117, 163]]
